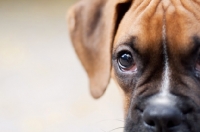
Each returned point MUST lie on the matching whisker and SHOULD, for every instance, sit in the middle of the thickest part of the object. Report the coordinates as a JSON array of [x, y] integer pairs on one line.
[[116, 129], [117, 119]]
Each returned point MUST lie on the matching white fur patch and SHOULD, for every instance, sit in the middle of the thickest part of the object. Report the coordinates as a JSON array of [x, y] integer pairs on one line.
[[163, 99], [166, 74]]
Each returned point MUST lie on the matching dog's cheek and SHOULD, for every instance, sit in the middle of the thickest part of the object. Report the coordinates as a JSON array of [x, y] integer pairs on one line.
[[133, 125], [126, 81], [125, 95]]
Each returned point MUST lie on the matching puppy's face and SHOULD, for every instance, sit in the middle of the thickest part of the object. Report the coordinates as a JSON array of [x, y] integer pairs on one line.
[[153, 50], [156, 63]]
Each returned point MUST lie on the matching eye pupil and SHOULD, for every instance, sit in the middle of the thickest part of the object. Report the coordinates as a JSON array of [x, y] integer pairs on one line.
[[126, 60]]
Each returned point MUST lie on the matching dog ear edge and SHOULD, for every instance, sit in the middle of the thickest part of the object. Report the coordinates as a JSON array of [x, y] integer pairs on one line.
[[92, 26]]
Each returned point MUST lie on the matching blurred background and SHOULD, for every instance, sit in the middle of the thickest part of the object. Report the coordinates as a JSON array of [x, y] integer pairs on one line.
[[43, 87]]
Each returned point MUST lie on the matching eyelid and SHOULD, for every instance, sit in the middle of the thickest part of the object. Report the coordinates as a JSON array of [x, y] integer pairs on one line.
[[129, 47], [119, 50], [123, 52]]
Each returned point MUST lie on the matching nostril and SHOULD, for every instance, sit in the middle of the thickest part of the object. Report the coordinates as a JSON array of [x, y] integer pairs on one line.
[[172, 124], [149, 118], [150, 123], [188, 110]]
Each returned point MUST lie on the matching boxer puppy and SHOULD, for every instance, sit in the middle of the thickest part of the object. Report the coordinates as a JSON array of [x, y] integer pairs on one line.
[[151, 48]]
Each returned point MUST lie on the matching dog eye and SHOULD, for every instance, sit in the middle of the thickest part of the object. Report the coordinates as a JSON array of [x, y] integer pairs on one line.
[[126, 62]]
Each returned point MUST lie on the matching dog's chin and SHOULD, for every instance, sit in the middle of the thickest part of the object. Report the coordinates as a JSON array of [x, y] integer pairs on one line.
[[190, 125]]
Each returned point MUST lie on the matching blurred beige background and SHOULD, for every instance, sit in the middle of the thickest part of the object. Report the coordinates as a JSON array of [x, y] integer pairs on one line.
[[43, 87]]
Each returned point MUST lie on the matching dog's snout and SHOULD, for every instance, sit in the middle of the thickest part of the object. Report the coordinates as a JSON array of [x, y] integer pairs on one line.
[[162, 117]]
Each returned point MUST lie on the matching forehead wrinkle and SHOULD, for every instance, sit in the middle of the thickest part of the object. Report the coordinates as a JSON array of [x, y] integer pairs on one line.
[[166, 4], [151, 9], [192, 7], [183, 22], [147, 25]]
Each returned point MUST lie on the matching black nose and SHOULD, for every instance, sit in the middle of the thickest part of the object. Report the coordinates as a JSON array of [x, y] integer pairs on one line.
[[162, 117]]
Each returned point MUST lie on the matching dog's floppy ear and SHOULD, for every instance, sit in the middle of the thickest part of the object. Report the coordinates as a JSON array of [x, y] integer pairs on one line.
[[92, 25]]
